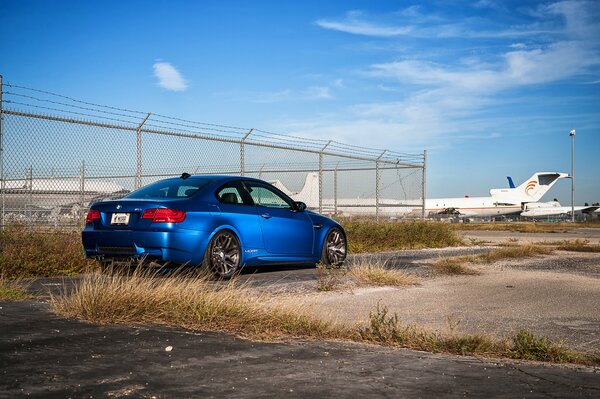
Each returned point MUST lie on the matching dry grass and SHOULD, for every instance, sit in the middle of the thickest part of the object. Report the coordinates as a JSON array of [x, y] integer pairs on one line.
[[369, 236], [525, 227], [12, 289], [386, 329], [578, 246], [457, 264], [454, 265], [196, 302], [377, 274], [26, 253], [513, 252], [330, 278]]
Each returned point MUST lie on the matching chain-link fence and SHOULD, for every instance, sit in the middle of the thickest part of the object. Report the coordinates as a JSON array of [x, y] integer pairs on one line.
[[59, 154]]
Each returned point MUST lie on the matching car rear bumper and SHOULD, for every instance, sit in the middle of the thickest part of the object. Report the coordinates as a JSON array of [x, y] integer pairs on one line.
[[174, 246]]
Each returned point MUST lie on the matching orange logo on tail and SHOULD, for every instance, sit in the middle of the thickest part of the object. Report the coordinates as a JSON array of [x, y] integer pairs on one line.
[[530, 186]]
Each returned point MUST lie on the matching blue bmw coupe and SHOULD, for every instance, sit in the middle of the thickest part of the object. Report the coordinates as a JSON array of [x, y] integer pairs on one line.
[[220, 222]]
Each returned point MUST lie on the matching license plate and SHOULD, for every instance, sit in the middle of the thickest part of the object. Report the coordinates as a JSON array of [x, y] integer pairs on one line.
[[119, 218]]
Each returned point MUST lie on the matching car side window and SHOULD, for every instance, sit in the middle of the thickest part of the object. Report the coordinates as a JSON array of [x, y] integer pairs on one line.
[[265, 196], [230, 194]]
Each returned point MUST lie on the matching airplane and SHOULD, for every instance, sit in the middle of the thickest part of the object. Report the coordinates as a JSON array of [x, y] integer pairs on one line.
[[502, 201], [554, 208], [40, 198]]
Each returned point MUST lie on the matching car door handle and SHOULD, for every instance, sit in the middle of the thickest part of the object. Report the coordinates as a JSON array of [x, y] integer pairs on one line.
[[266, 216], [317, 226]]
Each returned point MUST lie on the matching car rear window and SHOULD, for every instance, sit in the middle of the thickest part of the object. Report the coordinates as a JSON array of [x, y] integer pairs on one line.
[[170, 189]]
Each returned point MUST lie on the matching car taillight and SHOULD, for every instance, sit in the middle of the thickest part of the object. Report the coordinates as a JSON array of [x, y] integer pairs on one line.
[[164, 215], [93, 214]]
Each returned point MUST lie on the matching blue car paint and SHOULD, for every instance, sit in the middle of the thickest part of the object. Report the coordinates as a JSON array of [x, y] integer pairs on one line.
[[267, 235]]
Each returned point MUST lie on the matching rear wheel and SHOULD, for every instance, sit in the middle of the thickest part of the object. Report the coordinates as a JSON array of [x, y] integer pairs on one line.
[[223, 255], [334, 248]]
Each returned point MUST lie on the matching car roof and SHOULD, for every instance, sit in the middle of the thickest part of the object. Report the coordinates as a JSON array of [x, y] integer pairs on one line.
[[219, 178]]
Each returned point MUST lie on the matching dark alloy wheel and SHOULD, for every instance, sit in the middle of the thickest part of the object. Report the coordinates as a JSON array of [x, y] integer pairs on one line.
[[224, 254], [334, 248]]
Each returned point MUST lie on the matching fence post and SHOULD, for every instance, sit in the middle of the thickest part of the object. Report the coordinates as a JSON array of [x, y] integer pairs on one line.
[[424, 188], [377, 184], [81, 195], [2, 184], [242, 156], [321, 176], [138, 175], [29, 183], [335, 192]]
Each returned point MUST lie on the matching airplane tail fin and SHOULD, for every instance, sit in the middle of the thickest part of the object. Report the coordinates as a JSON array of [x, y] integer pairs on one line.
[[532, 190], [537, 185], [309, 194], [510, 182]]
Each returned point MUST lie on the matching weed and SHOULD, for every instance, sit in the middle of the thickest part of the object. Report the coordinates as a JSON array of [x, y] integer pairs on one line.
[[12, 289], [456, 265], [452, 266], [26, 253], [527, 346], [329, 277], [525, 227], [377, 274], [476, 242], [578, 246], [194, 302], [370, 236], [385, 329]]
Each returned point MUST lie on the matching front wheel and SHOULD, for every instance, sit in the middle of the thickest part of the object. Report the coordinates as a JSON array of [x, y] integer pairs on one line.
[[223, 254], [334, 248]]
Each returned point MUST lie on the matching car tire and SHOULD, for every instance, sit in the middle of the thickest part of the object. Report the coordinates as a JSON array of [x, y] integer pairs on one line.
[[223, 256], [335, 248]]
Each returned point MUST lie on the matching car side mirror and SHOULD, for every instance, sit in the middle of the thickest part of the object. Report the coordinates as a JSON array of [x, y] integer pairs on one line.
[[300, 206]]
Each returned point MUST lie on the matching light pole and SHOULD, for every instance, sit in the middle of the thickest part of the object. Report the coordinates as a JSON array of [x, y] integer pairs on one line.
[[572, 134]]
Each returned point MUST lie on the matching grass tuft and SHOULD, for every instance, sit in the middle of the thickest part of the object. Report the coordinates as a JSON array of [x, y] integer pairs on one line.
[[194, 302], [27, 253], [12, 289], [578, 246], [329, 278], [385, 329], [369, 236], [377, 274], [528, 346], [452, 266], [457, 264], [525, 227]]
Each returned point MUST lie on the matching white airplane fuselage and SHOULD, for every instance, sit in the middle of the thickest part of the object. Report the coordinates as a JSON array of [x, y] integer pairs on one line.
[[505, 201]]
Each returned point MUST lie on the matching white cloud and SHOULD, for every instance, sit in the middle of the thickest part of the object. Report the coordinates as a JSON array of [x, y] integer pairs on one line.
[[440, 100], [273, 97], [353, 23], [169, 77], [318, 92], [579, 18], [309, 93], [523, 67]]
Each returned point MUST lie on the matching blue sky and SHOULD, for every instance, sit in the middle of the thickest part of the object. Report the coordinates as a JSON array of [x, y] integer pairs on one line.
[[489, 88]]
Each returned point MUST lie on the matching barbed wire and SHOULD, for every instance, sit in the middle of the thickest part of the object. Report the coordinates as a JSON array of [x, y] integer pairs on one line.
[[72, 99], [213, 130], [65, 104], [68, 112]]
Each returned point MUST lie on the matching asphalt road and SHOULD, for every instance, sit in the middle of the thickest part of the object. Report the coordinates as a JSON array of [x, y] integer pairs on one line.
[[45, 356]]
